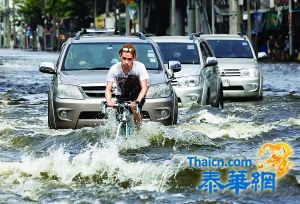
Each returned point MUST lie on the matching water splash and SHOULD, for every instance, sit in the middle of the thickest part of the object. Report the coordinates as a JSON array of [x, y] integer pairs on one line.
[[93, 164], [216, 126]]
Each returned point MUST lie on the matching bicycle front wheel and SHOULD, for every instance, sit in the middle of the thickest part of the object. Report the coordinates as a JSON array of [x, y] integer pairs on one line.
[[124, 130]]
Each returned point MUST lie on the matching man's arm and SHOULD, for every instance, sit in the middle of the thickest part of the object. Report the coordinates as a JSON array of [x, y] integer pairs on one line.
[[143, 92], [108, 94], [134, 107]]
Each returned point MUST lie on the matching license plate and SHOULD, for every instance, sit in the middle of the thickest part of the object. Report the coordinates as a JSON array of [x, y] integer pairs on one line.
[[225, 82]]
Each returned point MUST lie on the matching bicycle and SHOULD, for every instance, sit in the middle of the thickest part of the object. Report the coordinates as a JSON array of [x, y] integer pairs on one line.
[[124, 117]]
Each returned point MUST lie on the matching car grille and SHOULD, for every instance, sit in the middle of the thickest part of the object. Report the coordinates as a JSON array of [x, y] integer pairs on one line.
[[231, 72], [91, 115], [236, 88], [100, 115], [94, 91], [145, 115], [99, 92]]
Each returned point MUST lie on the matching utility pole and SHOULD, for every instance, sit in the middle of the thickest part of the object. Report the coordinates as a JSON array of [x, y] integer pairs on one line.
[[234, 17], [197, 17], [117, 17], [14, 23], [95, 13], [6, 30], [191, 16], [291, 28], [127, 24], [141, 16], [212, 17], [249, 21], [239, 15], [173, 17], [1, 27]]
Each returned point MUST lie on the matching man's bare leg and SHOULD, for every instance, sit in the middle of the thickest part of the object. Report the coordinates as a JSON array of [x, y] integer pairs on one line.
[[137, 118]]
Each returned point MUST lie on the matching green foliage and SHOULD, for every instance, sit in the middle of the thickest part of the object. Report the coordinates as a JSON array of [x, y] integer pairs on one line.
[[33, 11]]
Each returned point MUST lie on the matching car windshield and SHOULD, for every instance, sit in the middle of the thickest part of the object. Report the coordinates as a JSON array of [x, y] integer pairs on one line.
[[231, 48], [101, 56], [185, 53]]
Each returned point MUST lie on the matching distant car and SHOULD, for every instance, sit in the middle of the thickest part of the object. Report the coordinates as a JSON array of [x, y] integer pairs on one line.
[[79, 79], [240, 73], [199, 81]]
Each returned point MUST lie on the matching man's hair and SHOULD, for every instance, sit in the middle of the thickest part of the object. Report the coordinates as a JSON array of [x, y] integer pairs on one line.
[[128, 48]]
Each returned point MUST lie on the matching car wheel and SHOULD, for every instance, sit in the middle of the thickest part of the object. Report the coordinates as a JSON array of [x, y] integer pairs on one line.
[[221, 98], [260, 92], [208, 98], [218, 102], [175, 112], [51, 123], [260, 96]]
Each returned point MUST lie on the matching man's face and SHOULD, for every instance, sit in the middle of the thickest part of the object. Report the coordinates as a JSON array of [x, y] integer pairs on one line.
[[126, 60]]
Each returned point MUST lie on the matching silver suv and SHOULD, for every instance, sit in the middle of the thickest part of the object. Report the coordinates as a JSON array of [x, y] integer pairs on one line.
[[79, 79], [240, 73], [199, 81]]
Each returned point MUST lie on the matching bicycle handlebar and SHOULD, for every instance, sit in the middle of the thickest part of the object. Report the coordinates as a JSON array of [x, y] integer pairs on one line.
[[125, 104]]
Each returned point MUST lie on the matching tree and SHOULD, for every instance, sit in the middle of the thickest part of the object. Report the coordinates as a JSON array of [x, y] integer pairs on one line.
[[35, 12], [32, 12]]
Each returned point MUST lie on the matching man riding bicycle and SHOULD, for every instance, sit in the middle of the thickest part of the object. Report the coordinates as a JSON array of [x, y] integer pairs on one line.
[[131, 78]]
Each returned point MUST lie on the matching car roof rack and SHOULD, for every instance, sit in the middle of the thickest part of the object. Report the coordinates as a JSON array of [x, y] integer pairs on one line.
[[141, 35], [242, 35], [95, 32], [193, 35], [77, 36], [87, 32]]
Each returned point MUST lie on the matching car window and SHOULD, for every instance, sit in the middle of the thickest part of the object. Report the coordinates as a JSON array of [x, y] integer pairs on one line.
[[185, 53], [231, 48], [60, 54], [205, 51], [102, 56]]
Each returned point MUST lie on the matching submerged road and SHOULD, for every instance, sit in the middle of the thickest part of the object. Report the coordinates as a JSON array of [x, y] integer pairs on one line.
[[39, 165]]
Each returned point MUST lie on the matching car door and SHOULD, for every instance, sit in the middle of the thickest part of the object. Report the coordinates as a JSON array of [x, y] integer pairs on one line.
[[211, 72], [51, 109]]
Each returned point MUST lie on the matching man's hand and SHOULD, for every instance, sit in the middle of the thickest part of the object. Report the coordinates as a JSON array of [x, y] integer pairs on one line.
[[136, 113], [110, 103], [133, 106], [108, 94]]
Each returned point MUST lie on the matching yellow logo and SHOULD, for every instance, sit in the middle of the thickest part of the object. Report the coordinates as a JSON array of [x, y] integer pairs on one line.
[[278, 160]]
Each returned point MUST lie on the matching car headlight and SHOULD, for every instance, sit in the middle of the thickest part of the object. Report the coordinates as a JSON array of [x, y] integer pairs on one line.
[[249, 72], [68, 91], [188, 81], [159, 91]]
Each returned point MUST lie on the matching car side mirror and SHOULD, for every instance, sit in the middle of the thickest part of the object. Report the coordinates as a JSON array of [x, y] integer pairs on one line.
[[211, 61], [47, 67], [262, 55], [175, 66]]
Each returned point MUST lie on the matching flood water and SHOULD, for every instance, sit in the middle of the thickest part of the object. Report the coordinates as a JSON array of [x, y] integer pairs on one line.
[[39, 165]]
